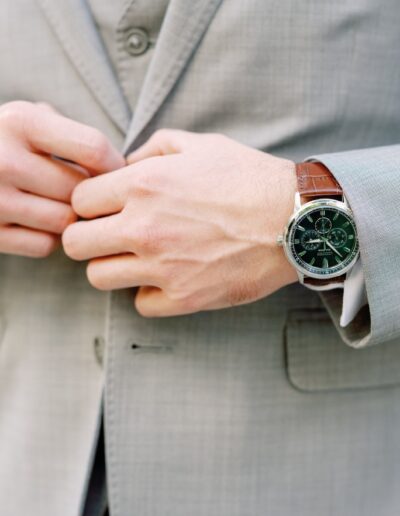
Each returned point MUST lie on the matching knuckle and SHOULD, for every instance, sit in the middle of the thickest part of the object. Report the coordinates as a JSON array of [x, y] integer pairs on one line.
[[145, 179], [160, 138], [64, 219], [55, 220], [15, 113], [95, 148], [142, 184], [150, 237]]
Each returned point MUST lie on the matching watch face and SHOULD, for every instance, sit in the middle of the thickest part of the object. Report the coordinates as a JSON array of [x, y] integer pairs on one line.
[[322, 241]]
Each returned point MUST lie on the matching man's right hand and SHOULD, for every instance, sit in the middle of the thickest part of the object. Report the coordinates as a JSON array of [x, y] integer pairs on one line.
[[35, 185]]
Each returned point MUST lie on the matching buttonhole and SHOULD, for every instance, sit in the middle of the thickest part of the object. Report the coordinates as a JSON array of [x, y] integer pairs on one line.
[[151, 349]]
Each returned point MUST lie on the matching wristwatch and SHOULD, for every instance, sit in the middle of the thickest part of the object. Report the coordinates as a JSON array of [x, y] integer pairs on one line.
[[320, 239]]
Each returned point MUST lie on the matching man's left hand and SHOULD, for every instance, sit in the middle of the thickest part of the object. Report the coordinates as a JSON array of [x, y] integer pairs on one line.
[[192, 220]]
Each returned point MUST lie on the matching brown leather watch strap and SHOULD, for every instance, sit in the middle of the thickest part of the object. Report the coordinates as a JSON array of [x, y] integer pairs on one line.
[[315, 180]]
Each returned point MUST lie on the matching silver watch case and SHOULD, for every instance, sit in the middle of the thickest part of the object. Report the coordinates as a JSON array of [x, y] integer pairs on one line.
[[283, 240]]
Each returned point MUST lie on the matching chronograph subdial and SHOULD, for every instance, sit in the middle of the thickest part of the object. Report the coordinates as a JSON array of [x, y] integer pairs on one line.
[[323, 225], [338, 237], [310, 240]]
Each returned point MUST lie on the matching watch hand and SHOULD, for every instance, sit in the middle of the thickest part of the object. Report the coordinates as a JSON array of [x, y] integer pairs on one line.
[[316, 241], [333, 248]]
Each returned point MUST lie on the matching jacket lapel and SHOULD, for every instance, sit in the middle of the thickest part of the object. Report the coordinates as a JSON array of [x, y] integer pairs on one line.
[[184, 24], [74, 27]]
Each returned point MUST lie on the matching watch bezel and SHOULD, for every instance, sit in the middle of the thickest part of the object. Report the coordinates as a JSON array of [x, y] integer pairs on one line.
[[299, 214]]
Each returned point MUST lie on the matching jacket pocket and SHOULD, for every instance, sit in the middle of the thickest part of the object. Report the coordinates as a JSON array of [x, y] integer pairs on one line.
[[318, 360]]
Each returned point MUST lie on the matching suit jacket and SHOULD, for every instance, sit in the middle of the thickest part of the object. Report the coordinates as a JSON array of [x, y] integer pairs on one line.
[[267, 409]]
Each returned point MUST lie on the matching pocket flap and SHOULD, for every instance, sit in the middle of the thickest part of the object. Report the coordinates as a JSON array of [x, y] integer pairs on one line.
[[318, 360]]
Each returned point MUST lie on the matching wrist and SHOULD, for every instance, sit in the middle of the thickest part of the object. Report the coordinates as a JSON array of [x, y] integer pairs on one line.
[[285, 195]]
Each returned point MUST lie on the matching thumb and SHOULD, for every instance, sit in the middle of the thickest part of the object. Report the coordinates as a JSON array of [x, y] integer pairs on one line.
[[163, 142], [48, 107]]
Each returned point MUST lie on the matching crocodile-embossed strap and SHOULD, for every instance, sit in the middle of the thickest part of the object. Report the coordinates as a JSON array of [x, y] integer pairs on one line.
[[315, 181]]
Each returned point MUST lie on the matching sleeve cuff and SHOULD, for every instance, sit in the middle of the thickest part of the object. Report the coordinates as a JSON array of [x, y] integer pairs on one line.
[[354, 295], [371, 181]]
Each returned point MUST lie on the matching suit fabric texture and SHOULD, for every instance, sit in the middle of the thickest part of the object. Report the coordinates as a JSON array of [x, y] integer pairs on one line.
[[268, 409]]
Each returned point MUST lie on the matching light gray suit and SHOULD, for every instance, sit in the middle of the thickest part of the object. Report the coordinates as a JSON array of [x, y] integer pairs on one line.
[[261, 410]]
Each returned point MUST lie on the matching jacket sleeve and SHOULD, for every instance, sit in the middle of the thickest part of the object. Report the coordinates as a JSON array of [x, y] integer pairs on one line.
[[370, 179]]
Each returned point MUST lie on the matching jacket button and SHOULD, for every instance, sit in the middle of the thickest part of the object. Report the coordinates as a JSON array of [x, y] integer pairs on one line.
[[137, 41]]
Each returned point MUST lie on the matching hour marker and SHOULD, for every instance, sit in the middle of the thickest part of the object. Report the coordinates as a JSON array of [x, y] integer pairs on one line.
[[302, 253], [325, 263], [312, 261], [338, 260], [300, 228], [351, 237], [346, 224], [309, 218], [346, 249], [322, 213], [336, 215], [296, 241]]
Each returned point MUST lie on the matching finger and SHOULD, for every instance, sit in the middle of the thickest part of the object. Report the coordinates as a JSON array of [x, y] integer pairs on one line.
[[94, 238], [153, 302], [46, 177], [109, 193], [52, 133], [47, 106], [124, 271], [101, 195], [162, 142], [27, 242], [34, 212]]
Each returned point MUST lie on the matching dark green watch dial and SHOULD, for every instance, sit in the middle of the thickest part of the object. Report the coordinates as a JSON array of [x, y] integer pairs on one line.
[[324, 241]]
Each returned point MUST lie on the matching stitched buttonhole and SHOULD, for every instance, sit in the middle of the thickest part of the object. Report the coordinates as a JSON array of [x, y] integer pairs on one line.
[[151, 349]]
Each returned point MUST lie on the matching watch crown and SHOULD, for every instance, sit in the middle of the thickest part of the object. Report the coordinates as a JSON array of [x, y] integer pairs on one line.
[[279, 240]]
